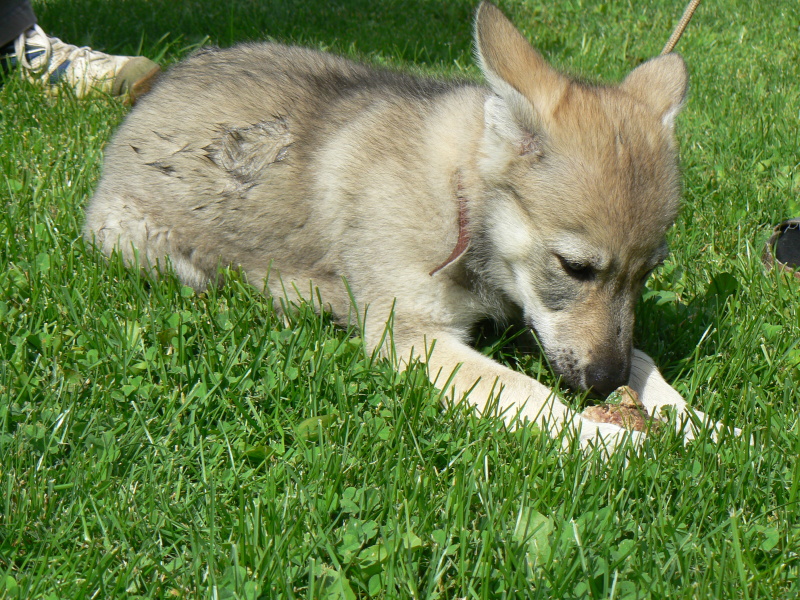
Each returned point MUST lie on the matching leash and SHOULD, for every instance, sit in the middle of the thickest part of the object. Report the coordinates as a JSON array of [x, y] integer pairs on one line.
[[681, 26]]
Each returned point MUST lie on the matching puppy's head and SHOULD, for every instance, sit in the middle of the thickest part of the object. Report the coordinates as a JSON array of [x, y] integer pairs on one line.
[[582, 183]]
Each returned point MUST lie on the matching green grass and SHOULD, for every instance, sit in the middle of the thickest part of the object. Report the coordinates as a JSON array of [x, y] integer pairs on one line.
[[155, 443]]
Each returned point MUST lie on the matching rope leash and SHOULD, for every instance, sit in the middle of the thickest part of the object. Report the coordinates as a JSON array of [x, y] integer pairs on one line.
[[681, 26]]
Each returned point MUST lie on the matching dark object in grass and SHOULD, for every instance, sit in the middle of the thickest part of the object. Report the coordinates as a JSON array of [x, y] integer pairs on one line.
[[783, 247], [624, 409]]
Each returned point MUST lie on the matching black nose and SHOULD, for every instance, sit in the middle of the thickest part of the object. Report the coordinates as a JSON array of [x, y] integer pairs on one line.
[[604, 377]]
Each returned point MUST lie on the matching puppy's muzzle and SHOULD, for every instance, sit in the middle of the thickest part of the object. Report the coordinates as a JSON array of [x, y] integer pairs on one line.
[[604, 376]]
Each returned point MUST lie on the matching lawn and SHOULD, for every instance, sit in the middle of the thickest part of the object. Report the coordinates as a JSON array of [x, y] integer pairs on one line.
[[156, 443]]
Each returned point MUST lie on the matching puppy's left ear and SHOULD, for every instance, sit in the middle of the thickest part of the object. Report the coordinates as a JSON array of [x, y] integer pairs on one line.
[[660, 83]]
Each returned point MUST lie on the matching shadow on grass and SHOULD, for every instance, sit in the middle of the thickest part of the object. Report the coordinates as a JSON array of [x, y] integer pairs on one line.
[[671, 327], [420, 32]]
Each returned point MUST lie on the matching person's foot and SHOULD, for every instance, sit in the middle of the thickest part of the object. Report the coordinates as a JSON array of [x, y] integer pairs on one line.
[[54, 64]]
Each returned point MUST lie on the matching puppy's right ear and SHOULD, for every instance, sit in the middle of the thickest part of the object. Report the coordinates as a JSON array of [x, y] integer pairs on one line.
[[530, 87]]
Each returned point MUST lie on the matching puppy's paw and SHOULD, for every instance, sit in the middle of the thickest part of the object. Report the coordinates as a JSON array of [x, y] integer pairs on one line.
[[605, 437], [696, 424]]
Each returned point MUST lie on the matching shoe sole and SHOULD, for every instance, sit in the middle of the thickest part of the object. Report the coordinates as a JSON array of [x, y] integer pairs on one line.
[[135, 78], [143, 85]]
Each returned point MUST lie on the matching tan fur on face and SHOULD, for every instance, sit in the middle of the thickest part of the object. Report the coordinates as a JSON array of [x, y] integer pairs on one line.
[[621, 173]]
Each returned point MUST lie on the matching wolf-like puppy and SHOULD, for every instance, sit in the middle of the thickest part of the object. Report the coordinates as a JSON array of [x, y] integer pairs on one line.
[[441, 203]]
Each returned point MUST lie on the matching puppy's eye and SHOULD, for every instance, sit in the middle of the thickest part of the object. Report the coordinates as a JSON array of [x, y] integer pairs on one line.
[[576, 269]]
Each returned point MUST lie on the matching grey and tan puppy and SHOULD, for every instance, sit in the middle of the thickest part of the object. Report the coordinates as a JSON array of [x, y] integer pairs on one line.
[[537, 196]]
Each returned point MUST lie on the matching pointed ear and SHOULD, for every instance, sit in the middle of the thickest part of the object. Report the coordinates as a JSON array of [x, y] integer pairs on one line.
[[661, 84], [515, 71]]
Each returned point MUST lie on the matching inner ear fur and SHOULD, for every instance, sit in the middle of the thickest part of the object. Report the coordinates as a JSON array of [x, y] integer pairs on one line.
[[523, 141], [661, 84]]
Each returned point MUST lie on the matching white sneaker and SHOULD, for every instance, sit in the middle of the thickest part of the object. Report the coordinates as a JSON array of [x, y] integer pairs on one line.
[[49, 61]]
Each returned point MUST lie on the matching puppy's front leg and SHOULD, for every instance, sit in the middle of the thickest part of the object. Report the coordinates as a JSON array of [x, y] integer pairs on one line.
[[463, 370], [656, 394]]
